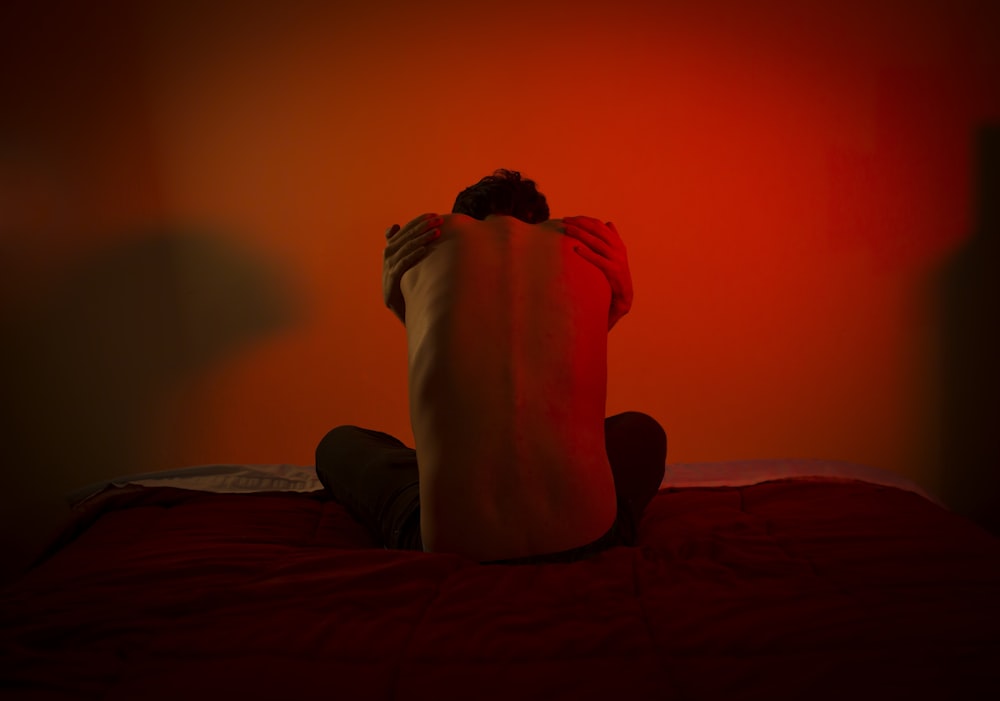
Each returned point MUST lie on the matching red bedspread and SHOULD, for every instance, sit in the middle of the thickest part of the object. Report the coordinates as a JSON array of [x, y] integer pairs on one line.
[[793, 589]]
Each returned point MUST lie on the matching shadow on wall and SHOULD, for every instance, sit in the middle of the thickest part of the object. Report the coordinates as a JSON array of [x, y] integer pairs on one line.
[[969, 295], [86, 367]]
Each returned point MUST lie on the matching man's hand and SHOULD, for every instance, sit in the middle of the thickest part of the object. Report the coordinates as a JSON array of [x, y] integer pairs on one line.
[[603, 247], [405, 248]]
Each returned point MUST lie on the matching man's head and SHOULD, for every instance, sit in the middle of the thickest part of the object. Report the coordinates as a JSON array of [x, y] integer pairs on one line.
[[504, 192]]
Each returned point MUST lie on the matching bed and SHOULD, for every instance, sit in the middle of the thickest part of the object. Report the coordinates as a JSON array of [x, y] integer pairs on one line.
[[750, 580]]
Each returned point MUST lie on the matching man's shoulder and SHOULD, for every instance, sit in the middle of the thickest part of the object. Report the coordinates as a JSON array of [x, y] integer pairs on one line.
[[457, 216], [463, 222]]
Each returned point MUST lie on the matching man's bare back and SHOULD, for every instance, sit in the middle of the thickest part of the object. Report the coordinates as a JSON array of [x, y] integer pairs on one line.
[[507, 334]]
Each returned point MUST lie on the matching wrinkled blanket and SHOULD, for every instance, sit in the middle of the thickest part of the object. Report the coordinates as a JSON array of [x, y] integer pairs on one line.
[[790, 589]]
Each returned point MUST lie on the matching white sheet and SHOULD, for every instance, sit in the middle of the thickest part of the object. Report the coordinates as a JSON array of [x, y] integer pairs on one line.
[[744, 472], [234, 479], [248, 479]]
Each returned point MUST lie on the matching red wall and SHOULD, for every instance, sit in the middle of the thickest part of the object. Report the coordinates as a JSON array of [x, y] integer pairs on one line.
[[195, 198]]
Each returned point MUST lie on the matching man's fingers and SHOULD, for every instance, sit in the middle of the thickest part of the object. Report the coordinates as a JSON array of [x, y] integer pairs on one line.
[[605, 266], [422, 217], [422, 225], [411, 258], [416, 225], [409, 234], [594, 227], [589, 238], [416, 221], [584, 220], [419, 244], [587, 254], [606, 231], [406, 251]]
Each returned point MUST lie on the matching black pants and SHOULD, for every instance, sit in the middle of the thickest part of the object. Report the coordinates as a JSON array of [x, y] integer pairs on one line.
[[374, 476]]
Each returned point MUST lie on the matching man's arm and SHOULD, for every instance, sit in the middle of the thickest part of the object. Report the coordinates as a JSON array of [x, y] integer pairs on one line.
[[405, 248], [603, 247]]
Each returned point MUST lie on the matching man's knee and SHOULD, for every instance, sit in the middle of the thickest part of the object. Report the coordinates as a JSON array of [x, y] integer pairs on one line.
[[355, 444], [338, 433], [640, 427], [336, 439]]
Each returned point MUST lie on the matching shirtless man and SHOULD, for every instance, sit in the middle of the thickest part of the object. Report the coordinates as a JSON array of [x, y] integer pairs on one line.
[[507, 320]]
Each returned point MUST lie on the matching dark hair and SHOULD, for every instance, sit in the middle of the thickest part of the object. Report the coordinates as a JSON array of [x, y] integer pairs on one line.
[[504, 192]]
